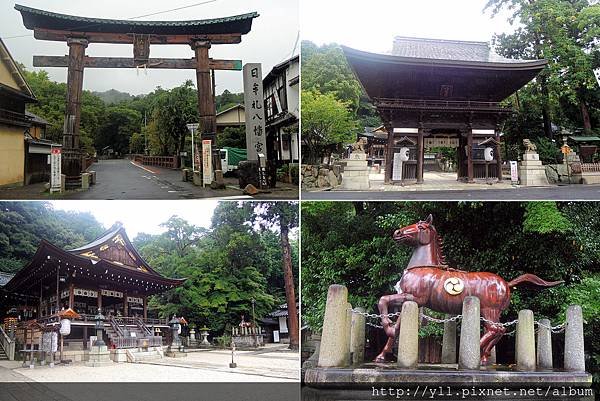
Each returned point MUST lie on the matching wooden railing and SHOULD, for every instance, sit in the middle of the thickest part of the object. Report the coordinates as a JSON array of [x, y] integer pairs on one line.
[[14, 117], [7, 344]]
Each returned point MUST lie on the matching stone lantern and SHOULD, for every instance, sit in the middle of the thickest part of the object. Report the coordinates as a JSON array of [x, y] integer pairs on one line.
[[99, 318], [175, 325]]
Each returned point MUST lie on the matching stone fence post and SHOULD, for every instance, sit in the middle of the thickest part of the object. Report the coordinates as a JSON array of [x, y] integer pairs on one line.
[[449, 342], [408, 339], [357, 337], [526, 342], [469, 352], [574, 355], [544, 345], [335, 334]]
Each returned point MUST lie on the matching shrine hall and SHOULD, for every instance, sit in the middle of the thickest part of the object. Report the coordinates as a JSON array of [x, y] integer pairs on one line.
[[441, 93], [108, 273]]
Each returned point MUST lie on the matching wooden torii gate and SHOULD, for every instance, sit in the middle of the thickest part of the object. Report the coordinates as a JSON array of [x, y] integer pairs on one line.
[[78, 32]]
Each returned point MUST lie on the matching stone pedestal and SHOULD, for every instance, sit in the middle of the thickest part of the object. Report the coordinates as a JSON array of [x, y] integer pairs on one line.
[[99, 356], [356, 172], [197, 178], [176, 352], [86, 179], [531, 170]]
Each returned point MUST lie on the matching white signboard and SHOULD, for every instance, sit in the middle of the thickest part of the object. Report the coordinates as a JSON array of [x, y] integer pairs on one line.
[[255, 114], [597, 74], [207, 161], [514, 172], [55, 170], [397, 169]]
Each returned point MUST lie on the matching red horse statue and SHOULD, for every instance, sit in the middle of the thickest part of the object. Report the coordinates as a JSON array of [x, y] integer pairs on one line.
[[431, 283]]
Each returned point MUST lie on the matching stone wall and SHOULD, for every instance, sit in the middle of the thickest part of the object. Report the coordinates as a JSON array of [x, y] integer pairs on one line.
[[321, 176]]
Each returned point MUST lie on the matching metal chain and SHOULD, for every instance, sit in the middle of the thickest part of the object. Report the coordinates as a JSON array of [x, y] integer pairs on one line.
[[435, 320], [554, 329]]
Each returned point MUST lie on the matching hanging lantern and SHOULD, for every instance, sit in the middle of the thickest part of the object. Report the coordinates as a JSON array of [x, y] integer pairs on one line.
[[65, 327], [404, 154], [488, 154]]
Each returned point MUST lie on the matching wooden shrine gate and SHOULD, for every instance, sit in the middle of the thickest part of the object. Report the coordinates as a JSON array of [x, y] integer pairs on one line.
[[79, 32]]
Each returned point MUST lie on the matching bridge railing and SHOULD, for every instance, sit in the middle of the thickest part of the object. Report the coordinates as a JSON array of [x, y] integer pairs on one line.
[[157, 161]]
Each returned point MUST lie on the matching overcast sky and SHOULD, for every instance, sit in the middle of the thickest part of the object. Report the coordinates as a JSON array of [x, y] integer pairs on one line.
[[371, 25], [270, 41], [143, 216]]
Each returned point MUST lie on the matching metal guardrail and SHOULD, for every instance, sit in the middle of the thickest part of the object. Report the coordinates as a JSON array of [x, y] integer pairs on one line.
[[8, 345]]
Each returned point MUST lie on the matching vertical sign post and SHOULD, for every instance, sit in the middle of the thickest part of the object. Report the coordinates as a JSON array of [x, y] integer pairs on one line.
[[514, 172], [193, 128], [207, 162], [55, 170], [255, 116]]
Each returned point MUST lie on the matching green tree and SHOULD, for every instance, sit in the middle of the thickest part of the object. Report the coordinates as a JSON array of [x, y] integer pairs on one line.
[[326, 121], [562, 32], [283, 215], [234, 137]]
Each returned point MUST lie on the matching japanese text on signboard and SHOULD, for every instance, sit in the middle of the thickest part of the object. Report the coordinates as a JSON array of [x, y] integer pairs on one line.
[[255, 116]]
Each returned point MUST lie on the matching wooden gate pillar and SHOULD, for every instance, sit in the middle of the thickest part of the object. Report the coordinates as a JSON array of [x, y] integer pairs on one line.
[[71, 155], [498, 155], [206, 108], [420, 154], [389, 154], [470, 156]]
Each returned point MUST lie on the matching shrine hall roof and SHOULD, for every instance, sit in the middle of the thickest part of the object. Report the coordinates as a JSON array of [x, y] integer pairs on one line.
[[442, 49], [34, 18]]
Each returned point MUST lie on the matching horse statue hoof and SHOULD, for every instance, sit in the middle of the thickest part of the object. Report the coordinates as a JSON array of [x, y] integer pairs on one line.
[[379, 359]]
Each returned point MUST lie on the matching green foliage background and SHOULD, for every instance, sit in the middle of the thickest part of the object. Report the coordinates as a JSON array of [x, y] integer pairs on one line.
[[125, 122], [350, 243], [237, 259]]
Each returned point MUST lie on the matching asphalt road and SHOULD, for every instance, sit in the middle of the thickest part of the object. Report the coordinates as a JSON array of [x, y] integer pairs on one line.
[[122, 179], [565, 193]]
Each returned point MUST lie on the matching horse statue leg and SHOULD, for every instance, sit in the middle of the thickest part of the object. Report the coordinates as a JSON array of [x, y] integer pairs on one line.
[[493, 332], [390, 330]]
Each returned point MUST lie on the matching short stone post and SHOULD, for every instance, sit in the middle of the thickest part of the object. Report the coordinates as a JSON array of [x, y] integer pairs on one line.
[[574, 356], [449, 342], [334, 342], [408, 339], [357, 337], [526, 343], [469, 353], [349, 332], [544, 345]]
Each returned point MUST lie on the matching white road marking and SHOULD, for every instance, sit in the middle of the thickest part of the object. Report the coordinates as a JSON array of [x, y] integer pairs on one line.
[[143, 168]]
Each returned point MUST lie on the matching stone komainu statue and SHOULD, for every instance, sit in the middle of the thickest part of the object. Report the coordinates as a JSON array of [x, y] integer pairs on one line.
[[529, 146], [359, 146]]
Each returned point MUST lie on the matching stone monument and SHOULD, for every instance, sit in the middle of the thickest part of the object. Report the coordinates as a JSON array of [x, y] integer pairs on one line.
[[356, 172], [531, 170]]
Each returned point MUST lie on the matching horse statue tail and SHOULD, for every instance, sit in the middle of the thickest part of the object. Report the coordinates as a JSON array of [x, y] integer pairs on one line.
[[533, 279]]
